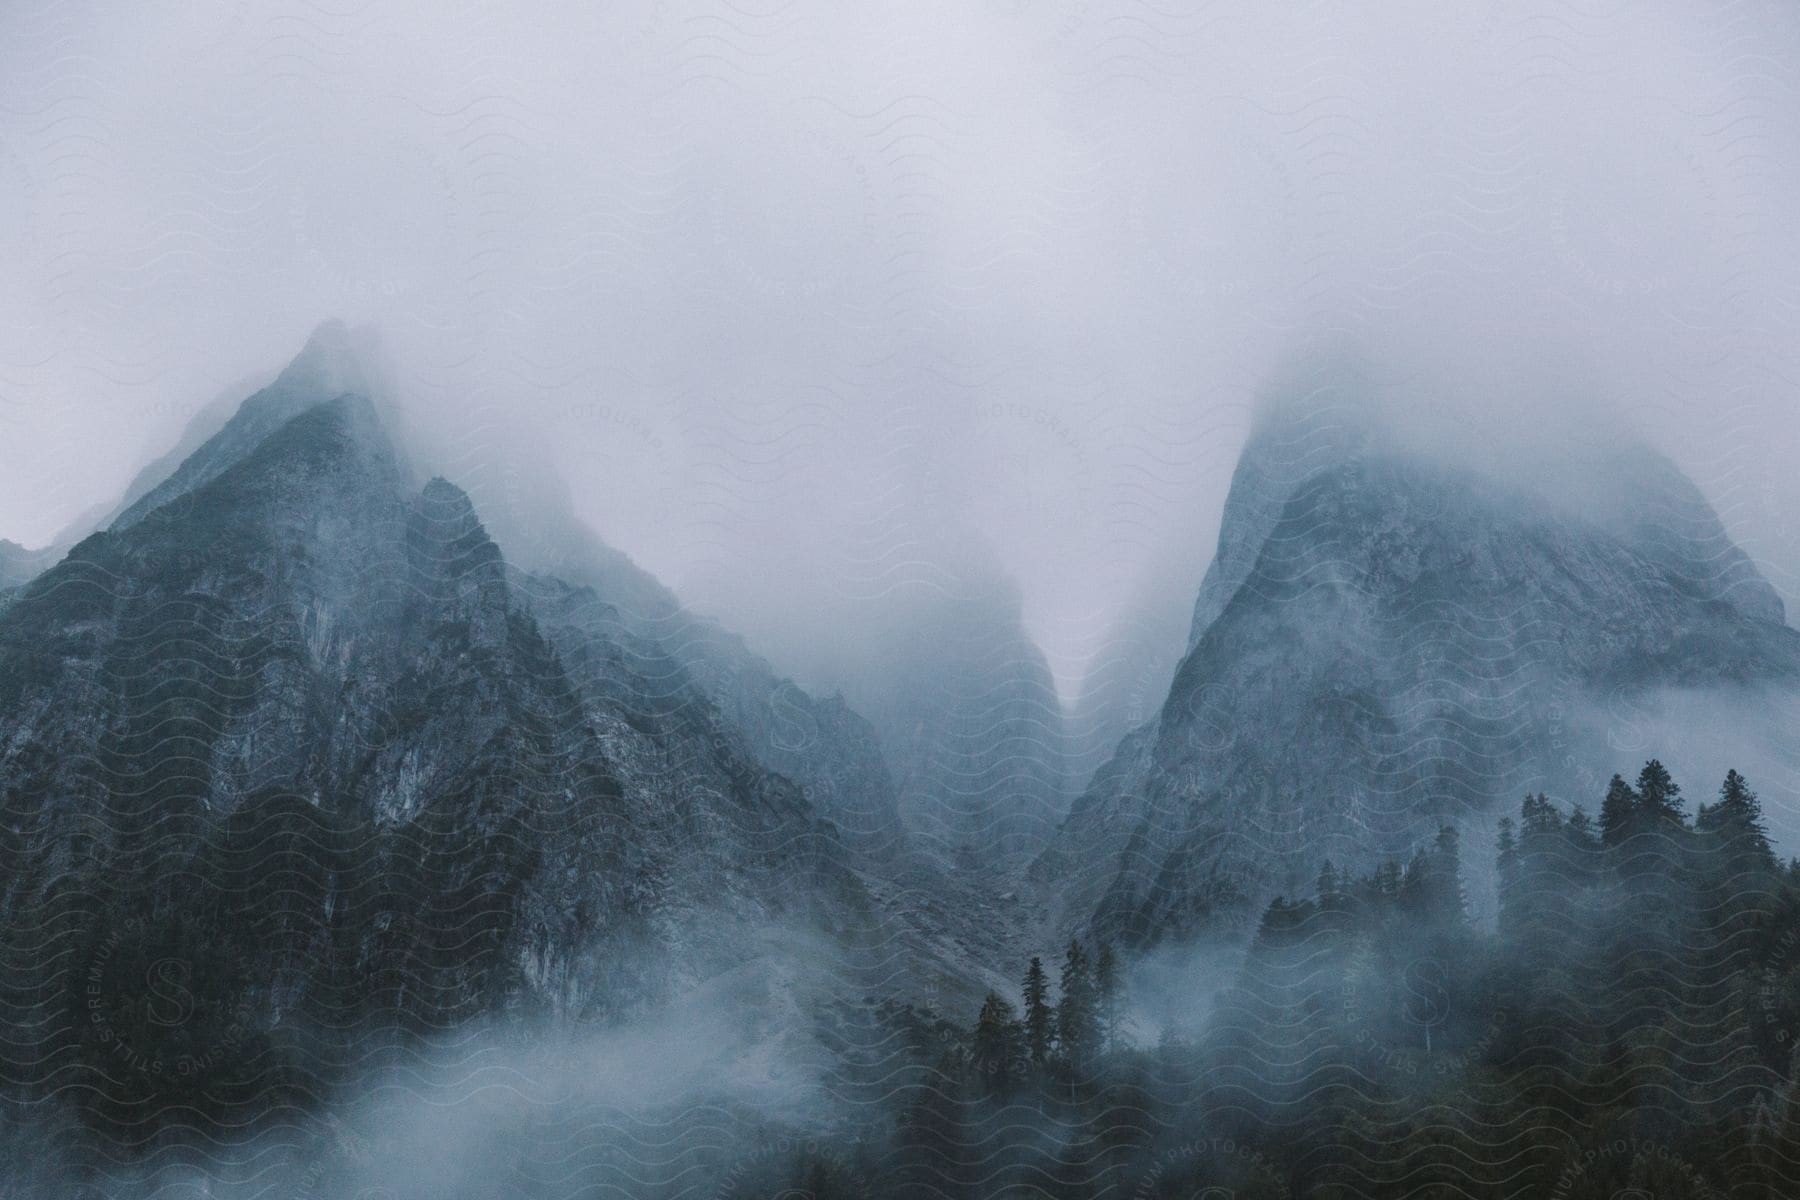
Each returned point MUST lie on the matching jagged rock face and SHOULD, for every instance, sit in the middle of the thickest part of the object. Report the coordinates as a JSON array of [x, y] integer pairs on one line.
[[819, 743], [300, 635], [200, 429], [942, 731], [941, 722], [1384, 644], [330, 365], [18, 566]]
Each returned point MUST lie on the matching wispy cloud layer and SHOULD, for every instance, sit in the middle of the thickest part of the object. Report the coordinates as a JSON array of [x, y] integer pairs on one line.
[[805, 286]]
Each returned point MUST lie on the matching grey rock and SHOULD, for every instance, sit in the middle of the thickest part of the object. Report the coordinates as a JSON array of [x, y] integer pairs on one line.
[[296, 620], [1387, 642]]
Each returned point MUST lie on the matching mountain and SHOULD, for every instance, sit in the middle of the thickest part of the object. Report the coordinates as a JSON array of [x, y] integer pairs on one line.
[[334, 362], [1390, 639], [920, 725], [582, 583], [296, 730], [819, 743], [19, 565], [199, 430]]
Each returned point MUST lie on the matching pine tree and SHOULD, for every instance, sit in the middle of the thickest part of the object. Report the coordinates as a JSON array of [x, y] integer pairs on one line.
[[1616, 812], [1737, 821], [1506, 870], [1449, 901], [1108, 999], [1539, 864], [1659, 796], [1275, 922], [1327, 885], [996, 1052], [1583, 848], [1415, 885], [1039, 1016], [1334, 889], [1075, 1007], [1540, 825], [1580, 828]]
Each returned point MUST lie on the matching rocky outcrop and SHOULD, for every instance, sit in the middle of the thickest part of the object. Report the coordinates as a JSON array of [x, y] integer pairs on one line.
[[299, 635], [1387, 642], [334, 362], [819, 742]]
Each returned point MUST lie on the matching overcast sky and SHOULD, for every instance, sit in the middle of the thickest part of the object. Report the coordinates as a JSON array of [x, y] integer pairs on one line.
[[792, 289]]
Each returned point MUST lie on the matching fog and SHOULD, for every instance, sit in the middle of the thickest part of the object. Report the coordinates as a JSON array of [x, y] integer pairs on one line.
[[793, 291], [732, 1087], [682, 1094]]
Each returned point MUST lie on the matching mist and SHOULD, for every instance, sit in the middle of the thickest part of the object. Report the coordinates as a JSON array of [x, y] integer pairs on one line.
[[795, 295], [916, 344], [686, 1092], [1699, 734]]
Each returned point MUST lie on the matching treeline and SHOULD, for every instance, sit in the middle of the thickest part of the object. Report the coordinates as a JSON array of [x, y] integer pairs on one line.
[[1626, 1027], [233, 972]]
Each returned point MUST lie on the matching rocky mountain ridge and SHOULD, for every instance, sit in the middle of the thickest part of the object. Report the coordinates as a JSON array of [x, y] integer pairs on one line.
[[1387, 642], [300, 625]]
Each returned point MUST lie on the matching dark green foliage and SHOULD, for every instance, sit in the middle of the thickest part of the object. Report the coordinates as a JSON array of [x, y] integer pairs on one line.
[[997, 1049], [1040, 1017], [1735, 827], [1506, 867], [1108, 996], [1077, 1016], [1626, 1029], [1624, 1032], [1617, 811], [280, 946], [1659, 796]]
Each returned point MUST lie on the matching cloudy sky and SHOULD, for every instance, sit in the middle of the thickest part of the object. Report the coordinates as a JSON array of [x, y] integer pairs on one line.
[[792, 292]]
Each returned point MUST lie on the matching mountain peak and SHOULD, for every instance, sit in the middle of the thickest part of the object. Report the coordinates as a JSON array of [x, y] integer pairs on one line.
[[449, 501], [335, 361], [338, 444], [1399, 609], [1556, 448], [1323, 409]]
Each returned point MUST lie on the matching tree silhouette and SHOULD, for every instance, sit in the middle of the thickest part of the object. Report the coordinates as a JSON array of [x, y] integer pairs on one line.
[[1075, 1016], [1617, 811], [996, 1051], [1736, 824], [1108, 1000], [1659, 796], [1040, 1017]]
